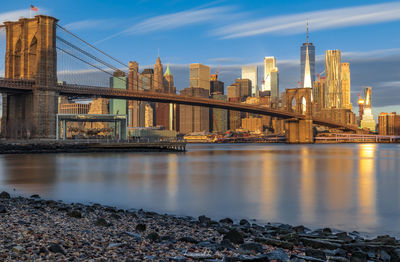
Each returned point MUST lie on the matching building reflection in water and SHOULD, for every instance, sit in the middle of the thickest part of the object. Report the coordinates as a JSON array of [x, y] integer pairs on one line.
[[172, 182], [367, 186], [29, 173], [307, 186], [269, 187]]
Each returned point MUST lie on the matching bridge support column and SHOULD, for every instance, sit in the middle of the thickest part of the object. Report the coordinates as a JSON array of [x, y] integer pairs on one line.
[[299, 131], [44, 113]]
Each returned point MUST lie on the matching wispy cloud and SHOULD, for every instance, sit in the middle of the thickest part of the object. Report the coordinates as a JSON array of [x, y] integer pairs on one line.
[[318, 20], [91, 24], [180, 19], [13, 15]]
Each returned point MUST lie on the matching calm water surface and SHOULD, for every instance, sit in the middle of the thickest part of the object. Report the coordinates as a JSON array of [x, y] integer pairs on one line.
[[349, 187]]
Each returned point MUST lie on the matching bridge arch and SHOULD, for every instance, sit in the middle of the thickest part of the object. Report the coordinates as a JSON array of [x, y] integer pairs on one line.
[[32, 56], [17, 59]]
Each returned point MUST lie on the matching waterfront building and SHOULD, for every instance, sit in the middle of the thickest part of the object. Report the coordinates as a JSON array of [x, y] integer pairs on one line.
[[65, 107], [199, 76], [194, 118], [149, 116], [307, 63], [346, 86], [253, 124], [368, 120], [234, 116], [251, 72], [219, 117], [389, 124], [118, 106], [333, 94]]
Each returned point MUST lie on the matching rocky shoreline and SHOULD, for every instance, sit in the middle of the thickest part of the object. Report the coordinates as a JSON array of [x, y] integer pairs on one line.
[[34, 229]]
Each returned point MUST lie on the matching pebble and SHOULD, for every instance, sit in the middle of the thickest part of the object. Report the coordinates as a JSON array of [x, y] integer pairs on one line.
[[32, 229]]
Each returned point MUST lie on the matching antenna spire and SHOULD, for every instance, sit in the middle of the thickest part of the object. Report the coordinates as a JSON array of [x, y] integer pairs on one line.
[[307, 32]]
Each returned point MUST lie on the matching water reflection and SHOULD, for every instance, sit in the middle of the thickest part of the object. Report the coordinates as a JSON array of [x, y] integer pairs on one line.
[[342, 186], [366, 185]]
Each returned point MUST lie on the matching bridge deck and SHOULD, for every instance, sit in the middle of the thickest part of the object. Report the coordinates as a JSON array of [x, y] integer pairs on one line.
[[11, 85]]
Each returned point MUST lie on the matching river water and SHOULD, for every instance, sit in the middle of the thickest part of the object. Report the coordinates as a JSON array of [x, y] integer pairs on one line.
[[343, 186]]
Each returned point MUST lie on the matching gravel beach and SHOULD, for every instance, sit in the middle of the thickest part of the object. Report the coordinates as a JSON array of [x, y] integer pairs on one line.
[[33, 229]]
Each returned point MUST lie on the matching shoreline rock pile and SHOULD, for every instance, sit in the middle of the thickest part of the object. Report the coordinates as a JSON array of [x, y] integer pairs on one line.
[[36, 229]]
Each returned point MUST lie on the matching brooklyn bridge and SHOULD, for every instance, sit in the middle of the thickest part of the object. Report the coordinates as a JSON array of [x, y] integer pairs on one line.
[[30, 87]]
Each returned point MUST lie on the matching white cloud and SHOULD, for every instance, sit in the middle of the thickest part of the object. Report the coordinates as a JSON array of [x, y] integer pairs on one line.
[[318, 20], [180, 19], [13, 15]]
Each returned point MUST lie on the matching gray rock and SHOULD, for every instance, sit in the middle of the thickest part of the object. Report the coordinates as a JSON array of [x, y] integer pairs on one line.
[[140, 227], [279, 255], [384, 256], [18, 249], [153, 236], [188, 240], [5, 195], [136, 236], [199, 256], [114, 245], [252, 247], [275, 242], [36, 196], [204, 219], [225, 244], [358, 256], [337, 259], [315, 253], [56, 248], [75, 214], [234, 236], [3, 209], [316, 243], [178, 259], [244, 222], [102, 222], [226, 221], [307, 258]]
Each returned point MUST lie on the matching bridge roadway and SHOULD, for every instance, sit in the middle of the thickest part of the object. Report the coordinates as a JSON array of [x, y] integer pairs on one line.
[[12, 86]]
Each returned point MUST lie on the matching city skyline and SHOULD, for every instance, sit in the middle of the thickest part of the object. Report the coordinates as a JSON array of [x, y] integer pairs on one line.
[[351, 38]]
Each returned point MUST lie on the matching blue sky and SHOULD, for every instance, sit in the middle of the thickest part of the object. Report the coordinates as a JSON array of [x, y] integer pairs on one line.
[[234, 33]]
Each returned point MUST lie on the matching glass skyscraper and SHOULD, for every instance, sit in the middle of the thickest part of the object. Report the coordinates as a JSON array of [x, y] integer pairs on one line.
[[311, 54]]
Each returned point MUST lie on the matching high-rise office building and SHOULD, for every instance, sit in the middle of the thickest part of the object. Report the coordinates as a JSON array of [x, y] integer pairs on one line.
[[158, 80], [194, 118], [319, 88], [219, 117], [346, 86], [274, 83], [245, 86], [216, 87], [368, 120], [199, 76], [307, 63], [118, 106], [333, 69], [251, 72], [271, 77], [389, 124]]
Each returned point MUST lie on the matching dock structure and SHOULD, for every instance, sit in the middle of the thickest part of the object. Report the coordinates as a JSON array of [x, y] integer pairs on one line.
[[37, 147]]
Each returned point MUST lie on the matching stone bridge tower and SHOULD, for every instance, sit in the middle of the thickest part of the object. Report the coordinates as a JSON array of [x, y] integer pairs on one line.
[[31, 54], [299, 100]]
